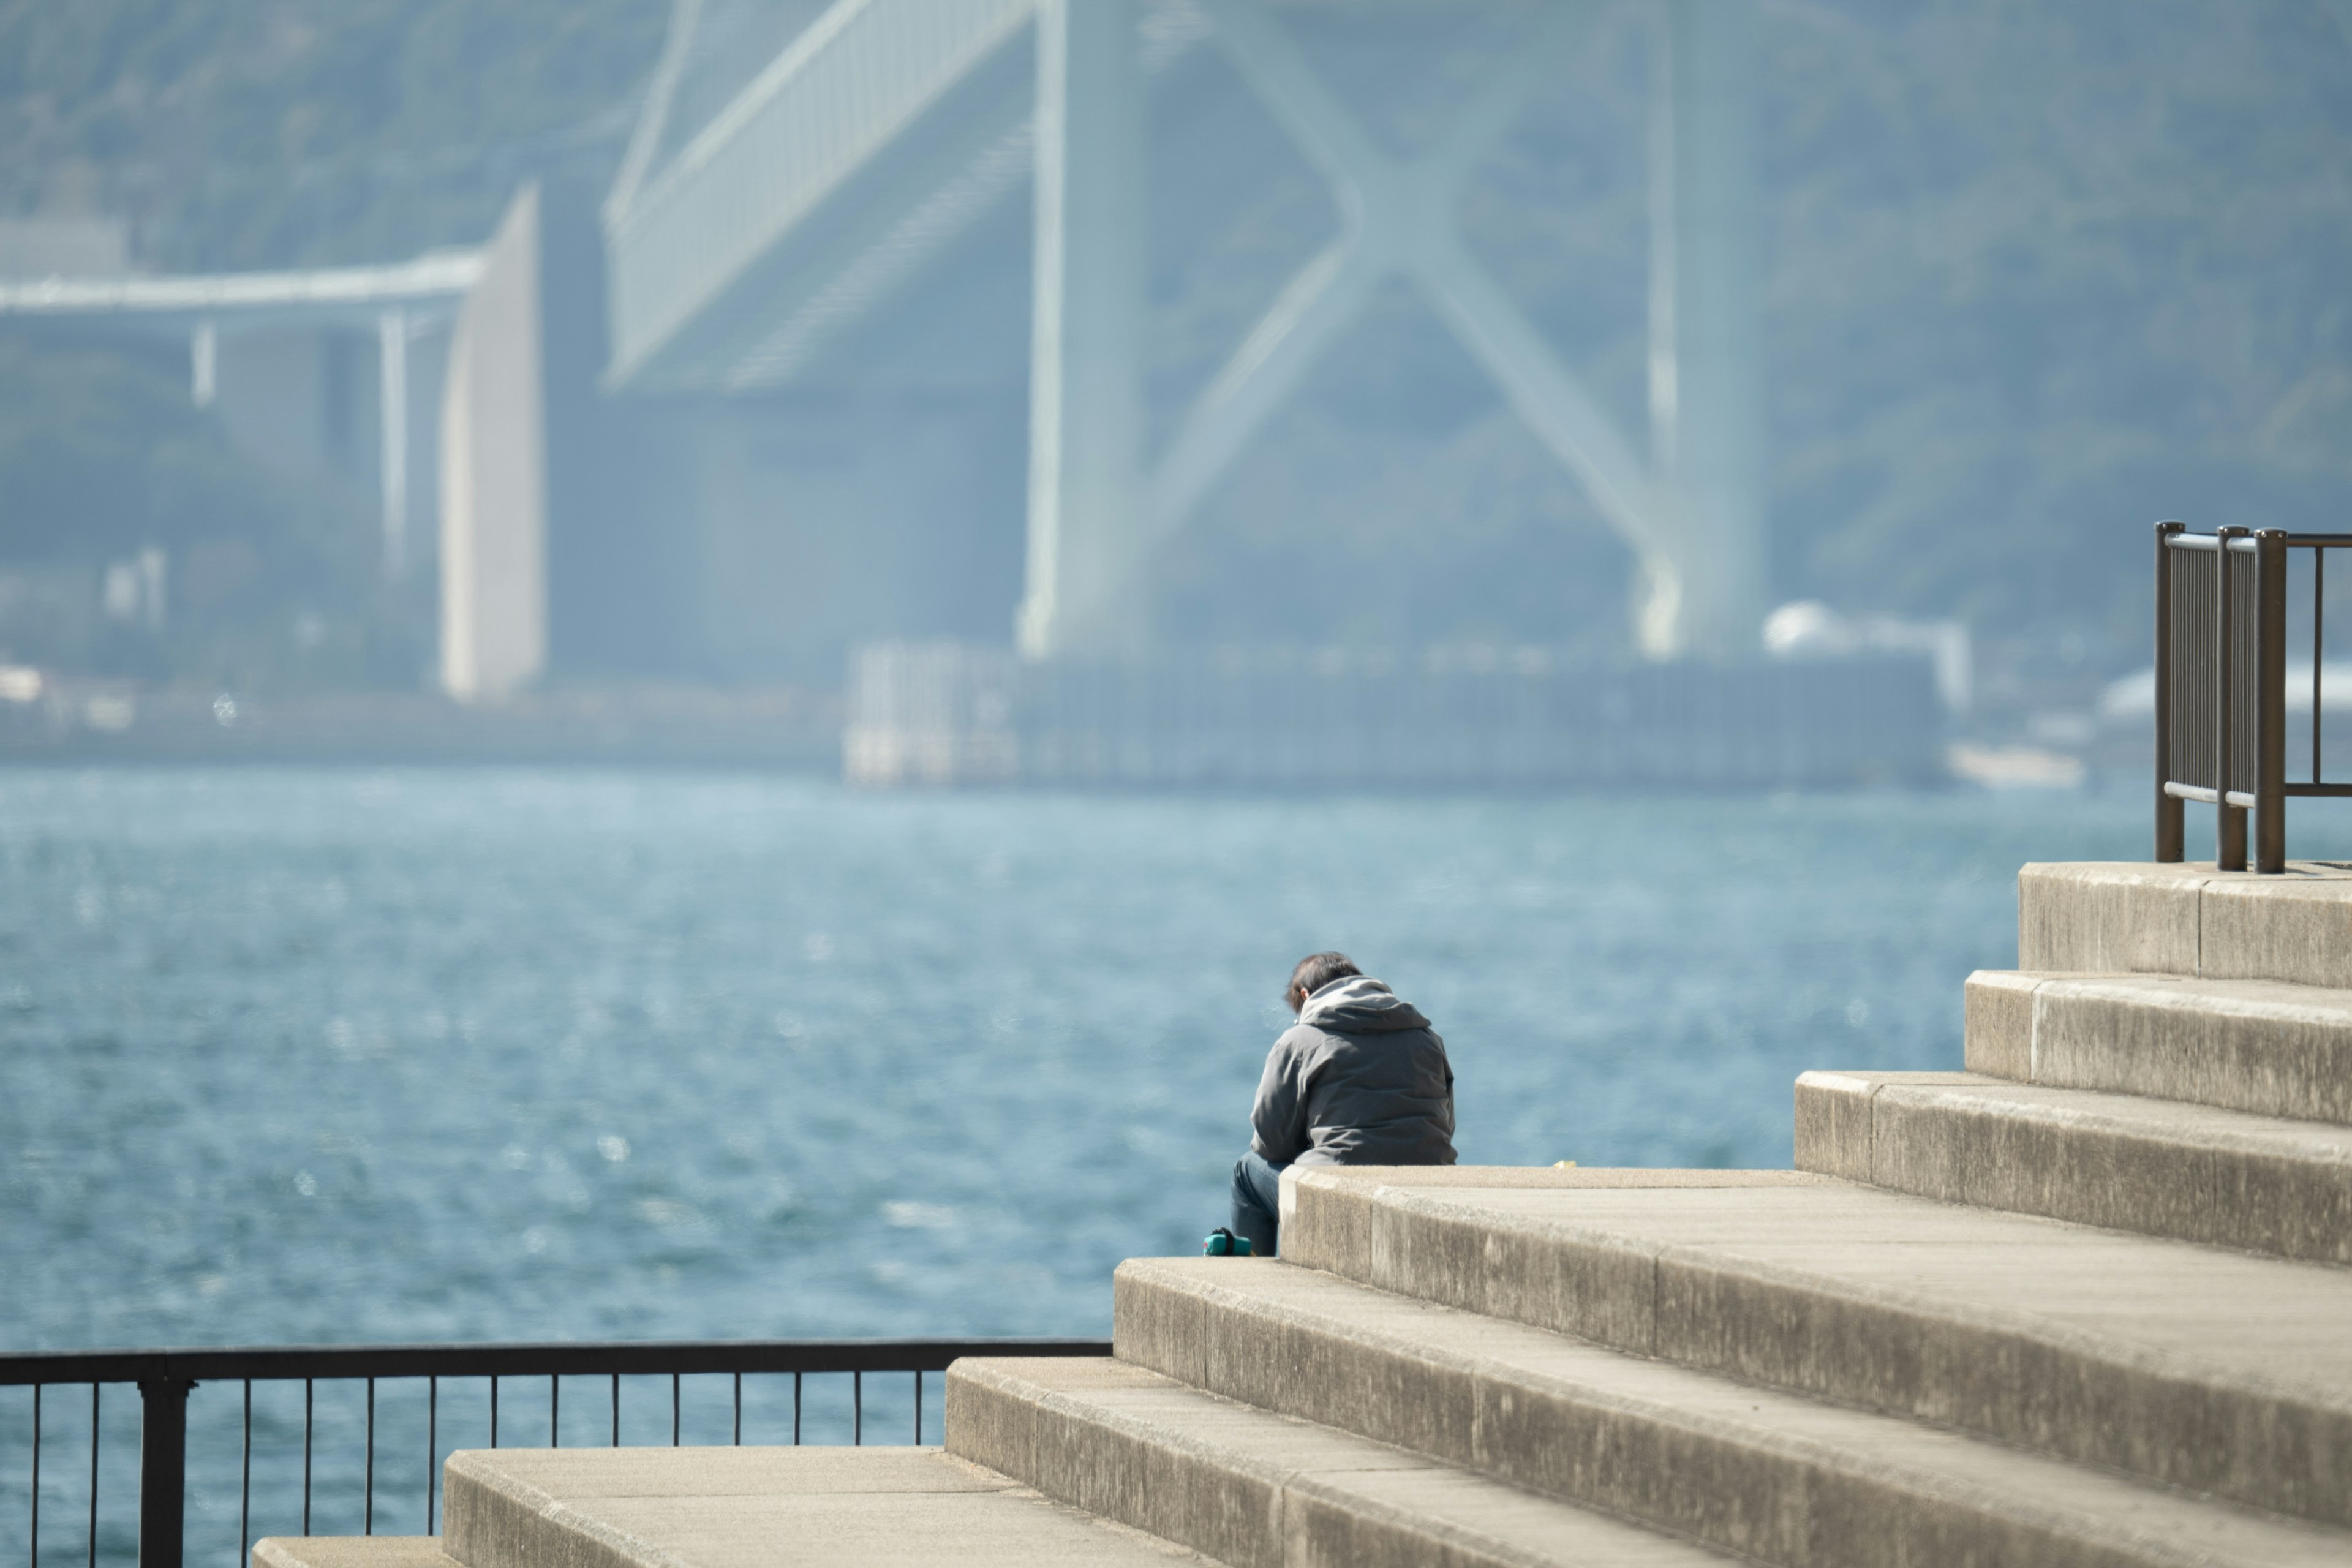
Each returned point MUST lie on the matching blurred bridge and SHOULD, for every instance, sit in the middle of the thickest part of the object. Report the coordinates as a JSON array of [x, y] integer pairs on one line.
[[744, 247], [867, 339], [265, 347]]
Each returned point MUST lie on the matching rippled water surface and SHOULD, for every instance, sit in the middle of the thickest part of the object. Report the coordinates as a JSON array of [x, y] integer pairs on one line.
[[292, 1056], [296, 1056]]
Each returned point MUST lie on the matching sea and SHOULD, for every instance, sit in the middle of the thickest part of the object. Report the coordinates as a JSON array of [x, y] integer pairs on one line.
[[293, 1056]]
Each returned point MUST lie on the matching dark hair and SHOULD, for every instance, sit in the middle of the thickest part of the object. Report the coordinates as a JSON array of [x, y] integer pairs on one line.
[[1313, 972]]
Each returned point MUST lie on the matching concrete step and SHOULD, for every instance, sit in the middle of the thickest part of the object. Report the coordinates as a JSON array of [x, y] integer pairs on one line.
[[1774, 1475], [2117, 916], [750, 1508], [2219, 1373], [351, 1552], [1263, 1490], [2259, 1045], [2161, 1167]]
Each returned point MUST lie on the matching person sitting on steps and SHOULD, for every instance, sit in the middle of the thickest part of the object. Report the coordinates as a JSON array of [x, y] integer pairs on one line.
[[1360, 1080]]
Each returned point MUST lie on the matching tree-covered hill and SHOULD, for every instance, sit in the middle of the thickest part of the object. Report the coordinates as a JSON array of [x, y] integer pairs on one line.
[[240, 134]]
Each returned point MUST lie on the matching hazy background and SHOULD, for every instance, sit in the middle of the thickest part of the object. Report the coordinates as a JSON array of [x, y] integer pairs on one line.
[[2038, 274]]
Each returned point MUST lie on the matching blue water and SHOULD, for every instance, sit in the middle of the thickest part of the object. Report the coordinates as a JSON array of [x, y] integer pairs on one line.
[[294, 1055]]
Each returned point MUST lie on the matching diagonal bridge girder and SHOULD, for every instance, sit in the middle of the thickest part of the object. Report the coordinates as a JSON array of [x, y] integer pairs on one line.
[[1689, 510], [1691, 514], [1397, 218]]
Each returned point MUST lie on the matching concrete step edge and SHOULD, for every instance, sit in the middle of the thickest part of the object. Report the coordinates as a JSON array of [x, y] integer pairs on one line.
[[2031, 1380], [494, 1519], [2108, 917], [2155, 1167], [1168, 1464], [351, 1552], [690, 1508], [2267, 1047], [1786, 1479]]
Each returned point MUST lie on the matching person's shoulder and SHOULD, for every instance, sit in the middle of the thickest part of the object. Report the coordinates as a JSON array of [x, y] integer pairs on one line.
[[1304, 1039]]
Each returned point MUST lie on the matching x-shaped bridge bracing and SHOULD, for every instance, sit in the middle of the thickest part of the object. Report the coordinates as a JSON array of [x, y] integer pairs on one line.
[[1398, 219]]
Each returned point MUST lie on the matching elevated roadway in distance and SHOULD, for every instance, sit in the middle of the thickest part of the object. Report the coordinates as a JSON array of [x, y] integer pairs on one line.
[[741, 248], [396, 303]]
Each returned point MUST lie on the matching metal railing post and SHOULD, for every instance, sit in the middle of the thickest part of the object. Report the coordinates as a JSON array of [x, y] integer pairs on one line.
[[2270, 698], [163, 1469], [2229, 821], [2171, 824]]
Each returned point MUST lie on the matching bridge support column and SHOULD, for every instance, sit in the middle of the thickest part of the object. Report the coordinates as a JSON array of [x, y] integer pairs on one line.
[[1085, 524], [1706, 397], [392, 447], [494, 474], [204, 363]]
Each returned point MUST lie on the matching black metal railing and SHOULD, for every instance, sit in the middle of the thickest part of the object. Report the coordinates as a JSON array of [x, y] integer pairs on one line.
[[2221, 686], [166, 1378]]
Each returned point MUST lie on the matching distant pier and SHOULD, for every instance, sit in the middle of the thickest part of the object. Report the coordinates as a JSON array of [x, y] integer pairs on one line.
[[946, 713]]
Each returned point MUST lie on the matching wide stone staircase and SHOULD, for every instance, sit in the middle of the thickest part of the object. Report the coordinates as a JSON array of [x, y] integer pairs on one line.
[[2085, 1303]]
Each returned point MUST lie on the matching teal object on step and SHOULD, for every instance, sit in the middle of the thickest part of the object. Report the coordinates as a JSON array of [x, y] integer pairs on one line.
[[1224, 1243]]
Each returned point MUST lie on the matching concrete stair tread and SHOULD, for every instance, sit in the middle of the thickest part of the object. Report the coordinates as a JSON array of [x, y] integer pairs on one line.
[[2254, 1320], [2161, 1167], [750, 1508], [2172, 1121], [1251, 1487], [2104, 1346], [2271, 1048], [351, 1552], [2105, 917], [1751, 1469]]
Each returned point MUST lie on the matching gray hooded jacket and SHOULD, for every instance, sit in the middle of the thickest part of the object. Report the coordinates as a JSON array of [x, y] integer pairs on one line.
[[1360, 1080]]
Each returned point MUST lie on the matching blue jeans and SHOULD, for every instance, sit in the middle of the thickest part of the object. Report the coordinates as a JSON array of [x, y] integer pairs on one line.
[[1258, 1202]]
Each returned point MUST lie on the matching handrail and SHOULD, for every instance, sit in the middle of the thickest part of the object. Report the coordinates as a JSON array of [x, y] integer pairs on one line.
[[2220, 687], [166, 1377], [561, 1358]]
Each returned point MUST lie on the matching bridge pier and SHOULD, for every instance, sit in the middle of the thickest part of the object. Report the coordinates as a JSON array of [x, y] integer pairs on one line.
[[1085, 533], [1707, 381]]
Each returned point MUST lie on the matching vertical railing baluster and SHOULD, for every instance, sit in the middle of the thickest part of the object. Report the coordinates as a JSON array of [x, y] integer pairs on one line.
[[617, 1410], [856, 1408], [918, 1407], [162, 1470], [2270, 701], [367, 1509], [2319, 619], [2171, 827], [33, 1534], [93, 1474], [494, 1410], [738, 1409], [673, 1410], [245, 1484], [796, 1410], [2229, 821], [432, 1446], [554, 1409], [305, 1455]]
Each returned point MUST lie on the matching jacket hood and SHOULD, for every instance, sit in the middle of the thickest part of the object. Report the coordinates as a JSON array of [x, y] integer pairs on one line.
[[1359, 1005]]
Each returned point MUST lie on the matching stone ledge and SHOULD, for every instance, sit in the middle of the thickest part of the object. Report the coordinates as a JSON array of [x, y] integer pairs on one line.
[[2264, 1047], [1776, 1477], [1252, 1487], [2114, 1349], [2193, 1172], [2127, 917], [351, 1552], [747, 1507]]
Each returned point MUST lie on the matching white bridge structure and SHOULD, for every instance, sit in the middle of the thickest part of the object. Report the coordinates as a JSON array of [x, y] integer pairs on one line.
[[874, 297], [887, 129]]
